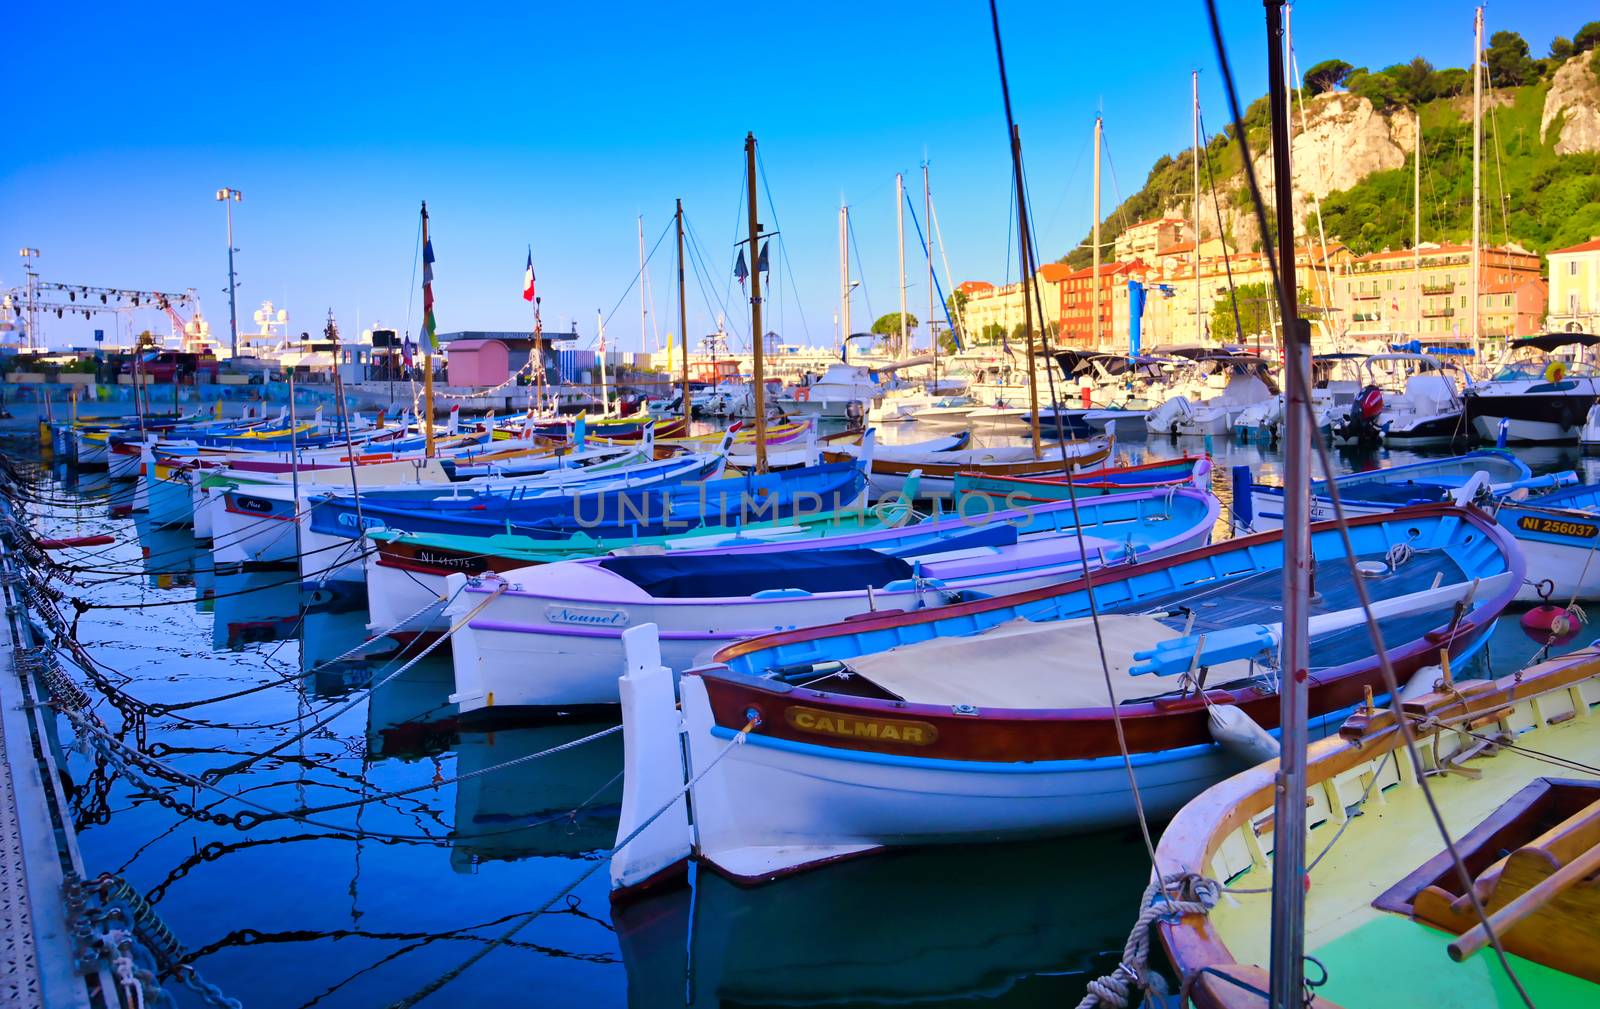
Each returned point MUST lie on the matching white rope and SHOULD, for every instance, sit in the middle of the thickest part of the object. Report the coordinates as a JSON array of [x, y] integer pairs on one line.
[[1196, 895]]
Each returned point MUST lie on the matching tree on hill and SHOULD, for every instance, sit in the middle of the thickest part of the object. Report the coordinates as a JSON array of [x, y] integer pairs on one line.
[[889, 325], [1561, 48], [1327, 75], [1253, 315], [1587, 38], [1508, 60], [1382, 90]]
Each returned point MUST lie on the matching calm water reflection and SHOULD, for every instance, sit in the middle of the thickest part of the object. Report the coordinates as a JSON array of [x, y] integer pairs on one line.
[[365, 906]]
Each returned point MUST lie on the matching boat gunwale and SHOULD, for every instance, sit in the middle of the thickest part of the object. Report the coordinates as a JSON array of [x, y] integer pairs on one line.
[[1192, 838]]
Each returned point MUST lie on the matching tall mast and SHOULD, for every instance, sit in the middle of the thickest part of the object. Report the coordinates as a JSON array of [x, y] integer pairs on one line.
[[844, 280], [900, 228], [1026, 262], [1477, 173], [1289, 854], [1199, 317], [428, 336], [1094, 279], [756, 338], [1416, 220], [644, 337], [683, 323], [605, 391], [927, 248]]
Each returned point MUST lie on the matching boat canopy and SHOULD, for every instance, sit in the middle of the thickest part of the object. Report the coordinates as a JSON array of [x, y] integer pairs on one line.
[[1553, 341], [713, 576]]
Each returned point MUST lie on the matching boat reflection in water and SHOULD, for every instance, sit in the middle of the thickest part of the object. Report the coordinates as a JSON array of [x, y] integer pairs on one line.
[[253, 607], [411, 716], [921, 927], [564, 804]]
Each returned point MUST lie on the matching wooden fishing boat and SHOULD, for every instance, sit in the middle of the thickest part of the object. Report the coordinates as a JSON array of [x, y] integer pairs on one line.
[[1560, 534], [1188, 470], [552, 635], [257, 524], [988, 719], [939, 469], [1510, 764], [1372, 492], [406, 571]]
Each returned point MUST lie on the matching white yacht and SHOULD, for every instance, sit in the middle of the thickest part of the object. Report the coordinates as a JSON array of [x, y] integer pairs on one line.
[[1542, 390]]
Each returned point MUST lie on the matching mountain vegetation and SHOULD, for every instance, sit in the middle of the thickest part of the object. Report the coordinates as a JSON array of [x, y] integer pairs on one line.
[[1532, 195]]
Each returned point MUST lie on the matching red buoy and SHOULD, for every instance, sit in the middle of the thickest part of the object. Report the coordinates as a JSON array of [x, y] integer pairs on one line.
[[76, 541], [1549, 624]]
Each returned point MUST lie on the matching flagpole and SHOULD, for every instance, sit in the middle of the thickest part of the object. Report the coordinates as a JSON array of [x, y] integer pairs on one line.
[[683, 323], [428, 331], [756, 339]]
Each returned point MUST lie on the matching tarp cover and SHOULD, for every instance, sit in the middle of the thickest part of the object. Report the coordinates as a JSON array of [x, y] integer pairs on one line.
[[1023, 664], [744, 574]]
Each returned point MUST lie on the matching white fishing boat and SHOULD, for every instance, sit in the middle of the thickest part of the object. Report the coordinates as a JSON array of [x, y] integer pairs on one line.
[[552, 635]]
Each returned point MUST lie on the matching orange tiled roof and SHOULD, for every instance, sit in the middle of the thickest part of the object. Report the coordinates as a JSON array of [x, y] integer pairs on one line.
[[1592, 245]]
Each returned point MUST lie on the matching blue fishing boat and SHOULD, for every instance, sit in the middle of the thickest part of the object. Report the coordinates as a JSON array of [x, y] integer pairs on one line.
[[1373, 492], [1560, 534], [993, 718]]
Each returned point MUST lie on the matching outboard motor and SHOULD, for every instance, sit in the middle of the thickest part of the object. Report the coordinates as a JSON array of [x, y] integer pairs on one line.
[[1360, 425]]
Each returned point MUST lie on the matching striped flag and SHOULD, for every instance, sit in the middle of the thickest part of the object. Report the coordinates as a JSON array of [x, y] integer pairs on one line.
[[430, 329], [527, 278]]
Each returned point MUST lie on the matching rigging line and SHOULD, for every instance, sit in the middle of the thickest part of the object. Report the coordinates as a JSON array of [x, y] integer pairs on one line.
[[1326, 285], [1024, 248], [1066, 189], [727, 319], [938, 288], [1499, 170], [457, 625], [1116, 191], [861, 282], [594, 867], [960, 322], [738, 213], [1227, 256], [637, 274], [799, 303], [1373, 630]]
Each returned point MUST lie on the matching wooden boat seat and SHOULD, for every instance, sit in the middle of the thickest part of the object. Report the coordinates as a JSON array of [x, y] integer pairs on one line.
[[1023, 664], [1536, 867]]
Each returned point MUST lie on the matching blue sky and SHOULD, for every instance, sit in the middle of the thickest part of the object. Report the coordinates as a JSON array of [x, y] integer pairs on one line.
[[557, 125]]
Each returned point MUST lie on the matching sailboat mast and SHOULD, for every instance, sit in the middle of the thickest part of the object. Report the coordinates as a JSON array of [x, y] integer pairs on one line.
[[844, 279], [683, 320], [427, 338], [1094, 279], [1477, 171], [605, 391], [756, 339], [927, 248], [1289, 854], [644, 336], [1416, 220], [1199, 317], [900, 228], [1026, 262]]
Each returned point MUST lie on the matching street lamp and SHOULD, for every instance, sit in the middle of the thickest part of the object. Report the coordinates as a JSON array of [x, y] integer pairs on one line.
[[28, 256], [228, 198]]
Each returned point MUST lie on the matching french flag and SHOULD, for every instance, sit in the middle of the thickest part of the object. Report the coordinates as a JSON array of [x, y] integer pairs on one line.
[[527, 278]]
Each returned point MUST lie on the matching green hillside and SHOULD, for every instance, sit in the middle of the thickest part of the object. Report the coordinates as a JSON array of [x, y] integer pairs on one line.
[[1531, 195]]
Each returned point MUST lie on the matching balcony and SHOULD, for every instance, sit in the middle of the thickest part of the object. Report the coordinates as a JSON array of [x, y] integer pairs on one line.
[[1365, 316], [1435, 313], [1366, 295], [1448, 287]]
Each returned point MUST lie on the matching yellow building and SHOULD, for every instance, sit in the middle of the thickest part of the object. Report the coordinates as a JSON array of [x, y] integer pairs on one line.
[[990, 305], [1575, 288], [1424, 295]]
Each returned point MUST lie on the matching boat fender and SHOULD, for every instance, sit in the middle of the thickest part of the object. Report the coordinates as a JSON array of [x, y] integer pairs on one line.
[[1240, 735], [1423, 681]]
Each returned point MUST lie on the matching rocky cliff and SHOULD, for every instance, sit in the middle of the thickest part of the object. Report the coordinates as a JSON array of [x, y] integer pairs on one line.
[[1343, 146]]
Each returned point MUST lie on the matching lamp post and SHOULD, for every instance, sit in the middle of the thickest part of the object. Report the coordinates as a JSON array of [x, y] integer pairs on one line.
[[28, 256], [228, 198]]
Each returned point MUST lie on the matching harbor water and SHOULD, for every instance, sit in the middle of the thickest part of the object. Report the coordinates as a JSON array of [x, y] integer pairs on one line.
[[421, 889]]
